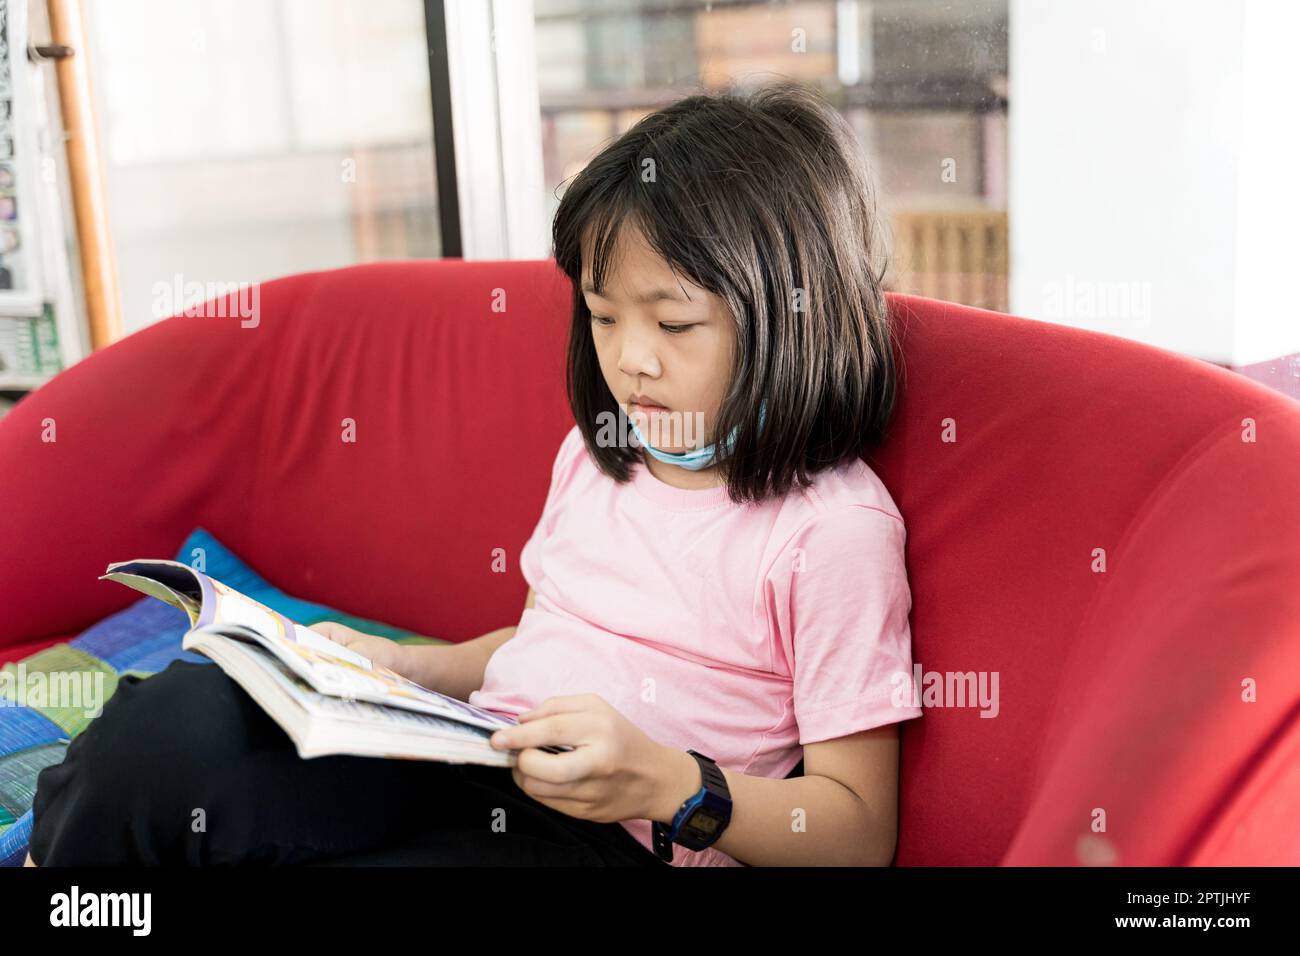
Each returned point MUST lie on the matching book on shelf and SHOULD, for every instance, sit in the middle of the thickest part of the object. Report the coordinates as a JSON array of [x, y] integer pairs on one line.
[[327, 698]]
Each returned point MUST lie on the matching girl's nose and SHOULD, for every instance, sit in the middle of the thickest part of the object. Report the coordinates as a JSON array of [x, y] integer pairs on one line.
[[635, 360]]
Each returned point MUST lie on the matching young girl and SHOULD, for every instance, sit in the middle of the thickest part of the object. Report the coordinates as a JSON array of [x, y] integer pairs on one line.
[[704, 614]]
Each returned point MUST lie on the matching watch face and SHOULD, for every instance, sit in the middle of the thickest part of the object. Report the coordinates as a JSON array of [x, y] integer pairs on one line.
[[705, 824]]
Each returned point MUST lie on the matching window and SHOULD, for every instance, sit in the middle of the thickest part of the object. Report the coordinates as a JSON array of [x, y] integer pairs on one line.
[[922, 82], [248, 139]]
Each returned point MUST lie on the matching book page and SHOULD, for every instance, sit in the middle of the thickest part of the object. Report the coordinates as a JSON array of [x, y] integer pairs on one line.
[[329, 667], [331, 673], [319, 642]]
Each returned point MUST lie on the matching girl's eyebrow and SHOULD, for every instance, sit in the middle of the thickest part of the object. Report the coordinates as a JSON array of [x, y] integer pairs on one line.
[[645, 298]]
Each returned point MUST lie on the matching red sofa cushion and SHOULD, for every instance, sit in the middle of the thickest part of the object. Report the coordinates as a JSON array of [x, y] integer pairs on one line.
[[1119, 691], [16, 652]]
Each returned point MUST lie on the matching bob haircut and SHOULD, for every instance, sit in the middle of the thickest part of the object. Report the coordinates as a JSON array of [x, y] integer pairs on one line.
[[763, 198]]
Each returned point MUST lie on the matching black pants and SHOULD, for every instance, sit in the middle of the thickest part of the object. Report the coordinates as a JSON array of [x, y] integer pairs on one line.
[[184, 768]]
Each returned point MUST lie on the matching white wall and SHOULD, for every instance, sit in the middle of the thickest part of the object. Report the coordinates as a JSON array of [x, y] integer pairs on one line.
[[1267, 308], [1150, 193]]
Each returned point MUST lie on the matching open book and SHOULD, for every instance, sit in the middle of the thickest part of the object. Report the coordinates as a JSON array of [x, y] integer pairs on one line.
[[328, 699]]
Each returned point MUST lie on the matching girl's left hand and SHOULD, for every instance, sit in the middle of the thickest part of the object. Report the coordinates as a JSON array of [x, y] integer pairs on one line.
[[613, 773]]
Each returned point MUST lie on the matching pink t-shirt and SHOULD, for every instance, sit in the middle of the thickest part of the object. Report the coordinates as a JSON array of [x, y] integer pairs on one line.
[[740, 631]]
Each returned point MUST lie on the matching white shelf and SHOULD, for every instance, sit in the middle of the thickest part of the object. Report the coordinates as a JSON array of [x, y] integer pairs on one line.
[[22, 383]]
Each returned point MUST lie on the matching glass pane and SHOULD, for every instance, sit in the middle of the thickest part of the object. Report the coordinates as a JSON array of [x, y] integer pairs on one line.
[[922, 81], [248, 139]]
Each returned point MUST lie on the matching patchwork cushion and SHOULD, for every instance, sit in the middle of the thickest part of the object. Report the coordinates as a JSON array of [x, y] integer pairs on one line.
[[140, 639]]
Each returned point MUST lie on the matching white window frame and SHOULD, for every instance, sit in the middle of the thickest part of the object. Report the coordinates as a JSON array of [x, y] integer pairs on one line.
[[496, 118]]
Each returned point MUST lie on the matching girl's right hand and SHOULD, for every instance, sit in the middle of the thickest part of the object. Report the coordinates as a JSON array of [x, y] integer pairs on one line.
[[379, 650]]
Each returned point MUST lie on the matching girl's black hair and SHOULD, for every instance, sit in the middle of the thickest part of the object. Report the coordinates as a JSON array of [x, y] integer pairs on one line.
[[758, 196]]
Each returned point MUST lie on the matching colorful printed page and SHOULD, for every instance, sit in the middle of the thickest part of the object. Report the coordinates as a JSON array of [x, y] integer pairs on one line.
[[328, 666]]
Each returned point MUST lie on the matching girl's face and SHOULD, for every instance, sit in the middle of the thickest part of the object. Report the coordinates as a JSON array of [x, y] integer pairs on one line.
[[665, 339]]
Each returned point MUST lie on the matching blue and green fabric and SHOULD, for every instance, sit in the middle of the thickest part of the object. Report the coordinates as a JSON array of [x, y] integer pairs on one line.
[[140, 639]]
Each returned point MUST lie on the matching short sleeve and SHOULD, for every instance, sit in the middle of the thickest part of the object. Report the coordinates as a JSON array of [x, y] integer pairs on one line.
[[841, 599], [561, 471]]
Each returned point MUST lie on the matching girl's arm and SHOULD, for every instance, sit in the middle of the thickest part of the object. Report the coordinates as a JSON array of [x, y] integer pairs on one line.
[[457, 669], [842, 812]]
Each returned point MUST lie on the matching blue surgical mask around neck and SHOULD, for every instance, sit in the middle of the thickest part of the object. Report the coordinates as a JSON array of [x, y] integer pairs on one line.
[[696, 459]]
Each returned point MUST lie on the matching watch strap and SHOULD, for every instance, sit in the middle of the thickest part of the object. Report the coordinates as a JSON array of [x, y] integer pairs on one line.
[[713, 799]]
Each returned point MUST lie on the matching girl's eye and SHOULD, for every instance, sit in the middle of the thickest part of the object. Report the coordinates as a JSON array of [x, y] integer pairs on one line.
[[604, 321]]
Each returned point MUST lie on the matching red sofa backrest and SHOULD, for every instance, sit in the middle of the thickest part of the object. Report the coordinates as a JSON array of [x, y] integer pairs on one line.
[[1021, 452]]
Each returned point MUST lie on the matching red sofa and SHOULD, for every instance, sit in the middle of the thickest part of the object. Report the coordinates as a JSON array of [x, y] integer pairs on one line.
[[1120, 692]]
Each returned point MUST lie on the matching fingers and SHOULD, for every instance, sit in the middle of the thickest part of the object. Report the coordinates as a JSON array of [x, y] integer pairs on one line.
[[344, 637], [552, 773], [568, 703], [558, 728], [336, 632]]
